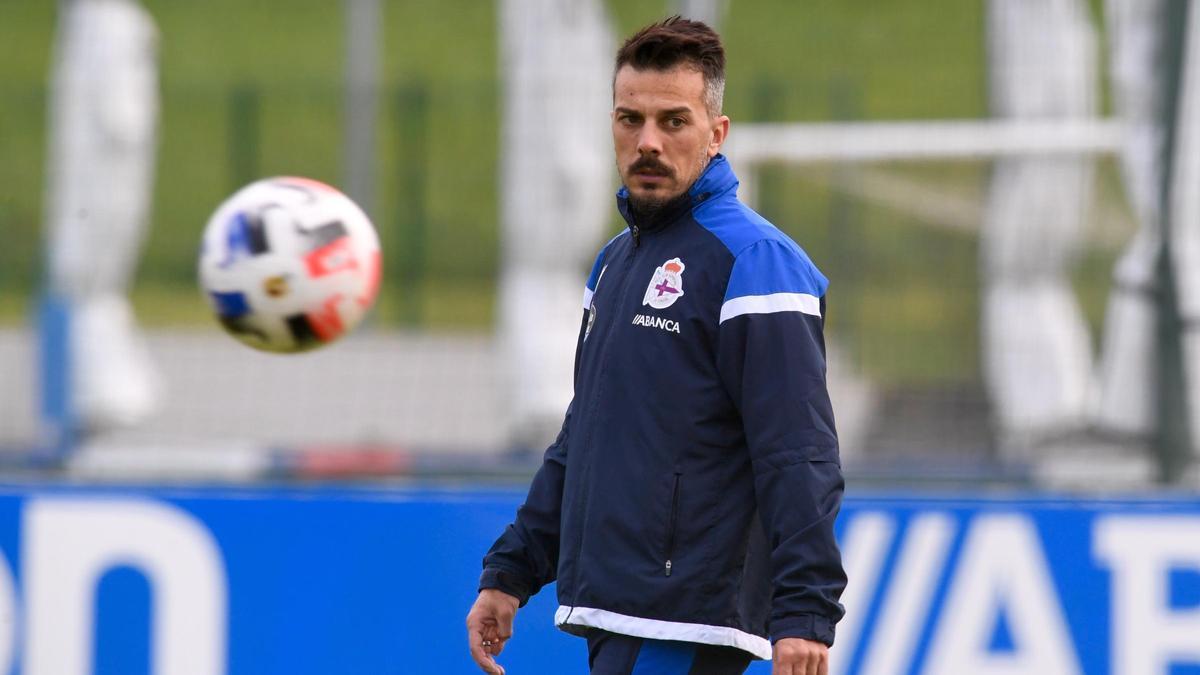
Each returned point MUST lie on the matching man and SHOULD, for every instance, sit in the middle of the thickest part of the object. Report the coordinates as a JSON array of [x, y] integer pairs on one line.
[[687, 507]]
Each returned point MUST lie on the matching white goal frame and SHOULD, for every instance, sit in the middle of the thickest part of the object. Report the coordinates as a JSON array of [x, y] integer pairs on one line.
[[750, 145]]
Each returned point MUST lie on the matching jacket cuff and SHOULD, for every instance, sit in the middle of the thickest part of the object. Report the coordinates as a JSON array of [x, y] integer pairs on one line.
[[506, 581], [807, 626]]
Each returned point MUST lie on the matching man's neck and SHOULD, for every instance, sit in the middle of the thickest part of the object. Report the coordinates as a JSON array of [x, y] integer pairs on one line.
[[649, 215]]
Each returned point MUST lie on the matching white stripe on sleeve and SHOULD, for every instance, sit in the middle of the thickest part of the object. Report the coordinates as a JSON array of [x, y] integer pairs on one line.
[[769, 304]]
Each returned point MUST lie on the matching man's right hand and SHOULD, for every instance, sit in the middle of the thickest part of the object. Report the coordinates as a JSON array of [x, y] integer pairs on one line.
[[489, 626]]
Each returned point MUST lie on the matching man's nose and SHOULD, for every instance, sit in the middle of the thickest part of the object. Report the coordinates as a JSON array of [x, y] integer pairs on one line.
[[649, 140]]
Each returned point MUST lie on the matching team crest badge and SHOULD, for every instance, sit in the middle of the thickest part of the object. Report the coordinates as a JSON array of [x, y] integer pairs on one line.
[[666, 286], [591, 322]]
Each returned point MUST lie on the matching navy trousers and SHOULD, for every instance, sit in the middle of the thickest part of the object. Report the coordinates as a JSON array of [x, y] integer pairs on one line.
[[615, 654]]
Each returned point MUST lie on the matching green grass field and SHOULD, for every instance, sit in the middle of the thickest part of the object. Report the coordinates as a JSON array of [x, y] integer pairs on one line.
[[252, 88]]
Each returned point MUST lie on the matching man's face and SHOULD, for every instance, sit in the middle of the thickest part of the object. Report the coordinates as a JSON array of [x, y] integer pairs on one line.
[[662, 132]]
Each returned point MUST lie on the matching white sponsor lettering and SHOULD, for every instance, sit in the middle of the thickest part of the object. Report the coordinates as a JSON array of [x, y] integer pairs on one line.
[[910, 592], [656, 322], [1002, 572], [896, 561], [864, 551], [1147, 634], [70, 544]]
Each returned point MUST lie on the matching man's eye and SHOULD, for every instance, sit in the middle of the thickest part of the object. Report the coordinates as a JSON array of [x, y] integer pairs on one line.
[[676, 122]]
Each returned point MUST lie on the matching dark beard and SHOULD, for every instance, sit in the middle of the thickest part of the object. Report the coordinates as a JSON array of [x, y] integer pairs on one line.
[[646, 211]]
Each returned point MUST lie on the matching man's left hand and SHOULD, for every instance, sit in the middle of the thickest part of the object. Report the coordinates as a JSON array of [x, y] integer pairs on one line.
[[797, 656]]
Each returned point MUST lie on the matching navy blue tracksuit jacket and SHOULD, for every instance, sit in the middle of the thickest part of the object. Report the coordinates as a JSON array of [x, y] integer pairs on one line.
[[692, 491]]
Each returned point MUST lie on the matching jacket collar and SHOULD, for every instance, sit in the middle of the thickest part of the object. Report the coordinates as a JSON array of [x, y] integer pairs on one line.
[[716, 178]]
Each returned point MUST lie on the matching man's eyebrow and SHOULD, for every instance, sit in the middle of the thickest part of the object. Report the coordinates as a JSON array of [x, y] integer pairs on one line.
[[683, 109]]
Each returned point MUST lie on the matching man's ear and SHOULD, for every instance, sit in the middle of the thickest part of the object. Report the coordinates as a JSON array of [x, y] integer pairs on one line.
[[719, 134]]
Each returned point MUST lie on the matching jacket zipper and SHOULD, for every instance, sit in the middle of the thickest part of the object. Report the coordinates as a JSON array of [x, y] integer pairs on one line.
[[671, 523]]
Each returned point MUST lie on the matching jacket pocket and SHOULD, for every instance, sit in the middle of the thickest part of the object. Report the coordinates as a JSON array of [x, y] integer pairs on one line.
[[672, 521]]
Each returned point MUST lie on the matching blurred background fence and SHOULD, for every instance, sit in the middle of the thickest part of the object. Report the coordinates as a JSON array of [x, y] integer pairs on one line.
[[255, 89]]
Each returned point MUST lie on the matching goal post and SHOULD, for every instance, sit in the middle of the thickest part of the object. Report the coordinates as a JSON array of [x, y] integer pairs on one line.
[[753, 144]]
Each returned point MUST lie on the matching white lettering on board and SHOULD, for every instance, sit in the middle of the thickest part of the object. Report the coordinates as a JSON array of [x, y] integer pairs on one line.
[[1002, 569], [1146, 633], [910, 591], [69, 545], [864, 550]]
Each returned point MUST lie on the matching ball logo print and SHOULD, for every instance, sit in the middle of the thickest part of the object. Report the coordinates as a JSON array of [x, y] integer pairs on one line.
[[289, 264], [276, 287]]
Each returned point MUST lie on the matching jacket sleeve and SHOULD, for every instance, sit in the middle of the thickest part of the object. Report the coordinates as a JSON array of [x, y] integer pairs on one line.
[[771, 356], [525, 557]]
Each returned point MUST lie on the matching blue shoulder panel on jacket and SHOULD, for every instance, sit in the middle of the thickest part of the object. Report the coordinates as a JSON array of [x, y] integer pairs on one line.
[[596, 267], [733, 223], [773, 266], [766, 261]]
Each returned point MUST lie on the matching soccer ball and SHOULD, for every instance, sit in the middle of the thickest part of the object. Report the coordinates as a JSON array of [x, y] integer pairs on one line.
[[289, 264]]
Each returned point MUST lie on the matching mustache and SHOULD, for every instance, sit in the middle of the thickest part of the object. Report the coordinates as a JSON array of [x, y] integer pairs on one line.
[[650, 164]]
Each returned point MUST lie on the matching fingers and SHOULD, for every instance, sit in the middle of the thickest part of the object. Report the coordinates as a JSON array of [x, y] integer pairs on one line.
[[489, 626], [480, 653], [481, 642], [504, 625], [495, 635], [782, 663], [492, 642], [498, 630], [812, 664], [799, 657]]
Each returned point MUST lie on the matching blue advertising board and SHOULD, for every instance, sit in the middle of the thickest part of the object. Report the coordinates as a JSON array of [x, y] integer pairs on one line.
[[249, 581]]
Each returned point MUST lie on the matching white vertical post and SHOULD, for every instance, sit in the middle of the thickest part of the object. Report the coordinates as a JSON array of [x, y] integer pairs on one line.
[[100, 169], [1126, 396], [557, 196], [1185, 220], [363, 26], [1037, 352]]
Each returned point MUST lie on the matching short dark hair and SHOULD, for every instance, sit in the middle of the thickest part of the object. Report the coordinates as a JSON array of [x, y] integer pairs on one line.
[[674, 41]]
